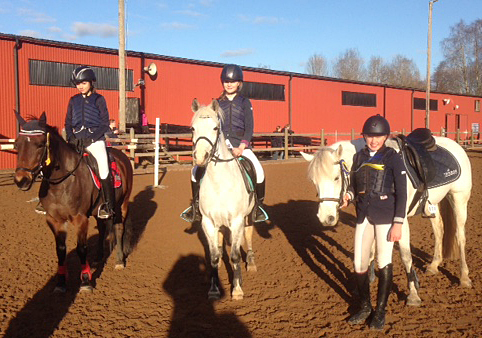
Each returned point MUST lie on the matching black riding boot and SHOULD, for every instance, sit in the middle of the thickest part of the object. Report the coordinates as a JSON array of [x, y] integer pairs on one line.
[[384, 287], [192, 213], [106, 210], [260, 215], [363, 285]]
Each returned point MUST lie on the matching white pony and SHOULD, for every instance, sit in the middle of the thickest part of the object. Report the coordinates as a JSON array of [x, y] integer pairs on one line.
[[223, 197], [329, 169]]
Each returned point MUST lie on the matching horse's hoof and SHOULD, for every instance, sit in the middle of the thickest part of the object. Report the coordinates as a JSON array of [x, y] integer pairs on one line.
[[60, 289], [214, 295], [431, 271], [466, 283], [86, 289], [237, 295], [414, 301], [251, 268], [119, 266]]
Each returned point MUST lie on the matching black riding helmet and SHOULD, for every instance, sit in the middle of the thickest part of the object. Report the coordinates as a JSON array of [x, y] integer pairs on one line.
[[376, 125], [81, 74], [231, 73]]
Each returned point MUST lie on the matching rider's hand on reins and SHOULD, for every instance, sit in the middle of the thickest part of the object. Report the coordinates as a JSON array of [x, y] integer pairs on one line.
[[346, 200], [237, 152]]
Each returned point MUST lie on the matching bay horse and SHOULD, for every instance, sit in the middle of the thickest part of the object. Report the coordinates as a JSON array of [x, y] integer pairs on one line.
[[68, 193], [329, 171], [224, 199]]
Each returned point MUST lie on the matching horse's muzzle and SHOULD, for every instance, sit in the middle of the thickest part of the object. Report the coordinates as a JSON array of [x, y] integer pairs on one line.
[[23, 180]]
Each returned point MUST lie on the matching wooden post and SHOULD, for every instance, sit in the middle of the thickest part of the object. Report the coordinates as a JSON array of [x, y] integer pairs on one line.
[[457, 136], [322, 137], [286, 144], [132, 151], [156, 151], [352, 134], [472, 138], [442, 131], [122, 68]]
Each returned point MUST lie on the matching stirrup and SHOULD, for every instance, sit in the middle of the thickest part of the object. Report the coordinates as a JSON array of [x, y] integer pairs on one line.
[[260, 215], [188, 215], [39, 209], [104, 212]]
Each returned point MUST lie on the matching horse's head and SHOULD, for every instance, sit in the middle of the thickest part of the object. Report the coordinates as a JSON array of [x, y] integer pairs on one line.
[[329, 173], [33, 152], [206, 131]]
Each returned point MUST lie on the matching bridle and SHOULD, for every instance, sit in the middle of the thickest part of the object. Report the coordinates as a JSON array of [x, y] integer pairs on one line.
[[46, 152], [345, 176], [214, 146]]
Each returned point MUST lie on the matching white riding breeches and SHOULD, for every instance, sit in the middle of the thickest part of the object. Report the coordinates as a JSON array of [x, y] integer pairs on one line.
[[98, 150], [248, 153], [365, 234]]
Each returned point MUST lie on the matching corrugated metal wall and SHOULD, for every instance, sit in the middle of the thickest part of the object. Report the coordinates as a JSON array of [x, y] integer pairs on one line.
[[315, 103]]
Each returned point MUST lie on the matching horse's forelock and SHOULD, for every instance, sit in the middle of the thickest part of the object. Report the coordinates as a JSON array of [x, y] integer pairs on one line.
[[321, 163], [207, 112]]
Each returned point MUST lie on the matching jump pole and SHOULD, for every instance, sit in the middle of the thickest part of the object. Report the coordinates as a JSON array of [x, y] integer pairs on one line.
[[156, 156]]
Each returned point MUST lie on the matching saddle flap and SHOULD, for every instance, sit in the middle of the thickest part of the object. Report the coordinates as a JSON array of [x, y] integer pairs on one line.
[[419, 158], [249, 173]]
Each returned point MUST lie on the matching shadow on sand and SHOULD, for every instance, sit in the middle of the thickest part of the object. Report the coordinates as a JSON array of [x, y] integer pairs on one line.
[[193, 314]]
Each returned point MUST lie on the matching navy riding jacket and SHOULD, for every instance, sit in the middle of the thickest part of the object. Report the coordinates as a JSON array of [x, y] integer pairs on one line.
[[238, 124], [87, 117], [378, 184]]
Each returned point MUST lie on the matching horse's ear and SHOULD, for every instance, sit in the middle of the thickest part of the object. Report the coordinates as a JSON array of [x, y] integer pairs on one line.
[[306, 156], [339, 151], [20, 119], [43, 120], [195, 105], [215, 105]]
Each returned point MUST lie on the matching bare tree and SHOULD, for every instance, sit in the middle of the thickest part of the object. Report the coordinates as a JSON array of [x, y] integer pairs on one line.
[[405, 72], [375, 70], [349, 66], [456, 53], [446, 79], [317, 65]]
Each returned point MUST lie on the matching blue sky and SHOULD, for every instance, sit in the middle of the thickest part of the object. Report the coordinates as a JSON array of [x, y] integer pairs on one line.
[[279, 34]]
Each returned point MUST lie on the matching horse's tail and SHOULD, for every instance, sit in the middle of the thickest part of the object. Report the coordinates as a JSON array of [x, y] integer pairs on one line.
[[450, 246]]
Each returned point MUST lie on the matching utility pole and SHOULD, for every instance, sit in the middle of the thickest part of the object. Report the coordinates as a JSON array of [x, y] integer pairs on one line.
[[429, 60], [122, 68]]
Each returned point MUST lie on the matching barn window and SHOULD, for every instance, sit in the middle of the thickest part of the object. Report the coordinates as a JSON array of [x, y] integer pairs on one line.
[[46, 73], [263, 91], [420, 104], [358, 99], [477, 106]]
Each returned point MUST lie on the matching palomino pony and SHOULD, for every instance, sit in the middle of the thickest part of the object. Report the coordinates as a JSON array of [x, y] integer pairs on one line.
[[224, 199], [329, 171], [68, 193]]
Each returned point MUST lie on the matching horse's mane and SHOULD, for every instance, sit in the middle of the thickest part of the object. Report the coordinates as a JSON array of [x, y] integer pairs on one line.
[[207, 111], [318, 165]]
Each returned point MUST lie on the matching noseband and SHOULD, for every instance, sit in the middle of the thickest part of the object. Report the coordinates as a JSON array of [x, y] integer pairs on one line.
[[345, 174], [46, 151]]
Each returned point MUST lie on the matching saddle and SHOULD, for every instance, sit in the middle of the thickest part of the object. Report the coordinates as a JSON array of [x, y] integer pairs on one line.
[[94, 169], [427, 165]]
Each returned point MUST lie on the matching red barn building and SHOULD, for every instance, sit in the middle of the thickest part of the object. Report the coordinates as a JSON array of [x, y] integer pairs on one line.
[[35, 77]]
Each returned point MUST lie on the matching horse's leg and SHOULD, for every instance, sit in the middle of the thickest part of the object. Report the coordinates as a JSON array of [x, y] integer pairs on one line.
[[60, 234], [220, 243], [237, 233], [119, 238], [413, 298], [212, 234], [102, 229], [82, 224], [248, 235], [438, 231], [459, 203]]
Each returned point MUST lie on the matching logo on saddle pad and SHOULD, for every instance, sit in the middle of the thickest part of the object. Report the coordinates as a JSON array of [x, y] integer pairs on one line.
[[449, 172]]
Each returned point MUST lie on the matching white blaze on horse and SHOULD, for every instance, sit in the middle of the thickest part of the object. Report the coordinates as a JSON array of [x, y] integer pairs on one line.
[[224, 199], [329, 171]]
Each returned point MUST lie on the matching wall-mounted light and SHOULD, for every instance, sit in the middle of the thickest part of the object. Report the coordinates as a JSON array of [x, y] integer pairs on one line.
[[140, 82], [456, 106], [446, 101]]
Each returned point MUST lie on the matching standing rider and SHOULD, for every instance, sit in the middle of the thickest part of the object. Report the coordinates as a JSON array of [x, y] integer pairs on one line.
[[237, 127], [378, 185], [86, 123]]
